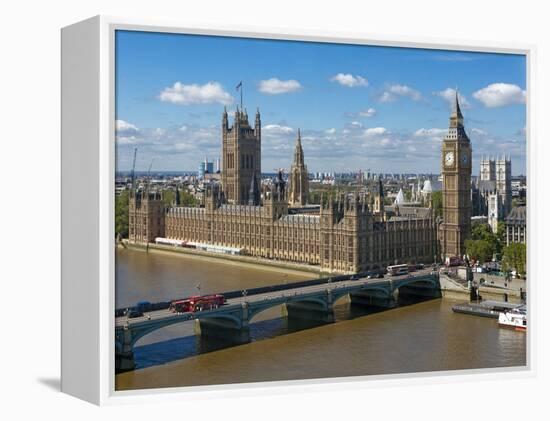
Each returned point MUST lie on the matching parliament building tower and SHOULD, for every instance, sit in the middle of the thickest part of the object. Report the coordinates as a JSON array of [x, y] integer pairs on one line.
[[298, 177], [241, 157], [456, 170]]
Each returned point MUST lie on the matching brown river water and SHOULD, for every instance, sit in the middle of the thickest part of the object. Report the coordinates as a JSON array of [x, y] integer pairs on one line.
[[414, 337]]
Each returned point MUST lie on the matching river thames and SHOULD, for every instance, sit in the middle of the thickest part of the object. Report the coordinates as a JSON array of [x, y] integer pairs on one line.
[[414, 337]]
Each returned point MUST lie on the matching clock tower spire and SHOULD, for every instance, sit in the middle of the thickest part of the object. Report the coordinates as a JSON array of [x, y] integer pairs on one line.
[[456, 172]]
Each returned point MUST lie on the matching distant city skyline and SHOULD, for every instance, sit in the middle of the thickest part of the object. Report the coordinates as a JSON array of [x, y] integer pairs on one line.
[[358, 107]]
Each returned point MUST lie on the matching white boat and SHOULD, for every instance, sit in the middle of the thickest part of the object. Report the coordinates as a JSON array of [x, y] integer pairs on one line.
[[514, 319]]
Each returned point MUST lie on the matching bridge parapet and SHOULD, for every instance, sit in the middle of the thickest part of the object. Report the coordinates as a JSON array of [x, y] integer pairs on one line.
[[233, 320]]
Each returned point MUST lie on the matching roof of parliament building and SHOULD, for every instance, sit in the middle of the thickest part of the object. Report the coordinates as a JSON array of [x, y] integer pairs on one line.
[[517, 216]]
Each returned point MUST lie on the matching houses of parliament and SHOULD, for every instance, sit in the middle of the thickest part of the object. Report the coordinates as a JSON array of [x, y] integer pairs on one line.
[[347, 233]]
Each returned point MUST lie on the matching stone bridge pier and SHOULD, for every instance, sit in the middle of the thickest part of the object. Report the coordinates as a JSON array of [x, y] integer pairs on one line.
[[316, 309], [374, 297], [232, 326], [124, 354]]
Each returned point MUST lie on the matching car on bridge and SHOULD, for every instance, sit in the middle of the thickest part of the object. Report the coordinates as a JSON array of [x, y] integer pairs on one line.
[[133, 313]]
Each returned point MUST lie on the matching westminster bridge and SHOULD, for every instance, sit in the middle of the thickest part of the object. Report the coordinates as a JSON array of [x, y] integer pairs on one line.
[[306, 300]]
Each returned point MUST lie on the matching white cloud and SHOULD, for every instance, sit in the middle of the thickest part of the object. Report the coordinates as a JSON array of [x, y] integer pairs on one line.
[[209, 93], [449, 96], [500, 94], [356, 124], [159, 132], [330, 131], [124, 126], [127, 133], [393, 92], [277, 129], [478, 131], [347, 79], [367, 113], [375, 131], [275, 86], [386, 97], [430, 132]]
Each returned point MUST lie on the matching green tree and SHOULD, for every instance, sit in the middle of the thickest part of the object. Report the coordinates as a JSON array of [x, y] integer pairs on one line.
[[485, 233], [168, 197], [501, 236], [515, 257], [437, 203], [480, 250], [121, 214], [482, 232], [186, 198]]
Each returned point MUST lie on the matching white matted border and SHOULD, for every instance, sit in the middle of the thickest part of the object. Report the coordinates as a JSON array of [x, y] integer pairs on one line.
[[107, 394]]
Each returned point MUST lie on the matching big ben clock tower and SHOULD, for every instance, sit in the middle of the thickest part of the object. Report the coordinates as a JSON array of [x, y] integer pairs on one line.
[[456, 170]]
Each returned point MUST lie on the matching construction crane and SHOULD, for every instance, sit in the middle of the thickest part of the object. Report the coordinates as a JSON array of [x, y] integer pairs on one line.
[[133, 176]]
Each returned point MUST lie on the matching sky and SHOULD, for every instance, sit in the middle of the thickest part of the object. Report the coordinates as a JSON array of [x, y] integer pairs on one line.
[[383, 109]]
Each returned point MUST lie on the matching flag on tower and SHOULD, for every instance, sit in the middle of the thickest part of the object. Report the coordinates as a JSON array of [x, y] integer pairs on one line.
[[239, 85]]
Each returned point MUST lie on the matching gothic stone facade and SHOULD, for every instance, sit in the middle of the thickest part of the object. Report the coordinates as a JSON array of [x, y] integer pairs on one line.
[[492, 193], [343, 236], [241, 156], [146, 217], [298, 177], [456, 171]]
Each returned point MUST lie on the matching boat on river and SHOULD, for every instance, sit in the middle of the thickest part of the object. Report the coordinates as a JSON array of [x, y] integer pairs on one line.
[[515, 319]]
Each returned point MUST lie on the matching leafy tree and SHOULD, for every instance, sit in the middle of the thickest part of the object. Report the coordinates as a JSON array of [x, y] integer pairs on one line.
[[485, 233], [168, 197], [482, 232], [186, 198], [437, 203], [480, 250], [121, 214], [515, 257], [501, 236]]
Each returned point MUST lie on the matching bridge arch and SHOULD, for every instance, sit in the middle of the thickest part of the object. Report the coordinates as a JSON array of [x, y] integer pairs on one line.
[[320, 302], [428, 281]]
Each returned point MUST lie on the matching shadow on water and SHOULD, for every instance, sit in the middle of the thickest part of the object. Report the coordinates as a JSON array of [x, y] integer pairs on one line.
[[179, 348], [176, 349]]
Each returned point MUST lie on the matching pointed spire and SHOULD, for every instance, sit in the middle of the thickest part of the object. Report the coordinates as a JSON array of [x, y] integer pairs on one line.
[[298, 151], [254, 192], [456, 106]]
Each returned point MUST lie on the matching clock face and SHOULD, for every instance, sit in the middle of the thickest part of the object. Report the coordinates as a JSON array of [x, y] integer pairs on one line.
[[449, 159]]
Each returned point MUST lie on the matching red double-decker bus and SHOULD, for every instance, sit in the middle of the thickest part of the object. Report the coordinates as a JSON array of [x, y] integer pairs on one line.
[[197, 303]]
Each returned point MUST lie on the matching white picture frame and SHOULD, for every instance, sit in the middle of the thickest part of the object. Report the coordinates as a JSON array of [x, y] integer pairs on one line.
[[88, 168]]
